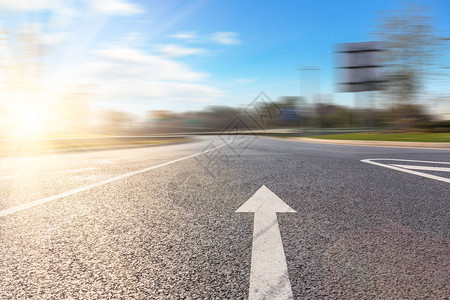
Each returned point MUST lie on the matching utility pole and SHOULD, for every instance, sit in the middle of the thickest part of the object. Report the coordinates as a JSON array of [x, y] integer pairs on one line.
[[319, 85]]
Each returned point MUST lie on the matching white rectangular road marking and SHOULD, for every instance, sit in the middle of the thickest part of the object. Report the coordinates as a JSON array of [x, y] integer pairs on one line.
[[24, 206], [393, 167], [423, 168]]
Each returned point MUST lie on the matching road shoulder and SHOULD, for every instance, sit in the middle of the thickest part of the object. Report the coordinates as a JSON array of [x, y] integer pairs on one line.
[[431, 145]]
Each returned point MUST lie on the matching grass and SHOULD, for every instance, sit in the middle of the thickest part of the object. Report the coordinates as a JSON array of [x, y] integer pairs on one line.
[[441, 137]]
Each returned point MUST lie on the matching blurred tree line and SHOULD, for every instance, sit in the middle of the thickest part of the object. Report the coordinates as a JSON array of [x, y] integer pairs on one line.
[[287, 112]]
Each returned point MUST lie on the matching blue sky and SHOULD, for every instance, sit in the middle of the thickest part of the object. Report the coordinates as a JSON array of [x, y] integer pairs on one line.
[[185, 55]]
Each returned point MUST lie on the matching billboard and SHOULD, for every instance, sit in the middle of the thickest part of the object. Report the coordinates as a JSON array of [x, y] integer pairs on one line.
[[360, 66]]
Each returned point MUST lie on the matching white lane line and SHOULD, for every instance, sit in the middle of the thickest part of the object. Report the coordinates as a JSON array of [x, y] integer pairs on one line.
[[423, 168], [104, 162], [9, 176], [269, 278], [412, 160], [371, 161], [73, 170], [24, 206], [45, 173]]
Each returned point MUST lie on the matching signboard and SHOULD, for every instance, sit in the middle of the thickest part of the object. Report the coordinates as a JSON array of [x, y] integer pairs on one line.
[[360, 66]]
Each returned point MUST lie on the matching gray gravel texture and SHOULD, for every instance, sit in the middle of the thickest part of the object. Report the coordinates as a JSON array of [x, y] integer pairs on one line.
[[360, 231]]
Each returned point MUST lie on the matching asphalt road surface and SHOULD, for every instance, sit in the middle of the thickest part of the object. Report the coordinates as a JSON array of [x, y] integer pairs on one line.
[[161, 222]]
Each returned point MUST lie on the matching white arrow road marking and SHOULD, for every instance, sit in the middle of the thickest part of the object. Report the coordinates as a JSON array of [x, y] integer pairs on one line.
[[410, 169], [269, 278], [27, 205]]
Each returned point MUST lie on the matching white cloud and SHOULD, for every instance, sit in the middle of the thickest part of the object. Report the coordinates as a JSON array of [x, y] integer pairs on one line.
[[62, 12], [64, 15], [220, 37], [127, 74], [226, 38], [115, 7], [54, 38], [177, 50], [123, 62], [185, 35], [34, 27], [27, 5], [169, 91], [62, 7]]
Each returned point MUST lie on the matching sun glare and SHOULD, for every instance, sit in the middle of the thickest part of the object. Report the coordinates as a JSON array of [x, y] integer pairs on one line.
[[28, 120]]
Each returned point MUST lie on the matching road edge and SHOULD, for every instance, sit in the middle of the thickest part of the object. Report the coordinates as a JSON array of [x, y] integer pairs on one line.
[[389, 144]]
